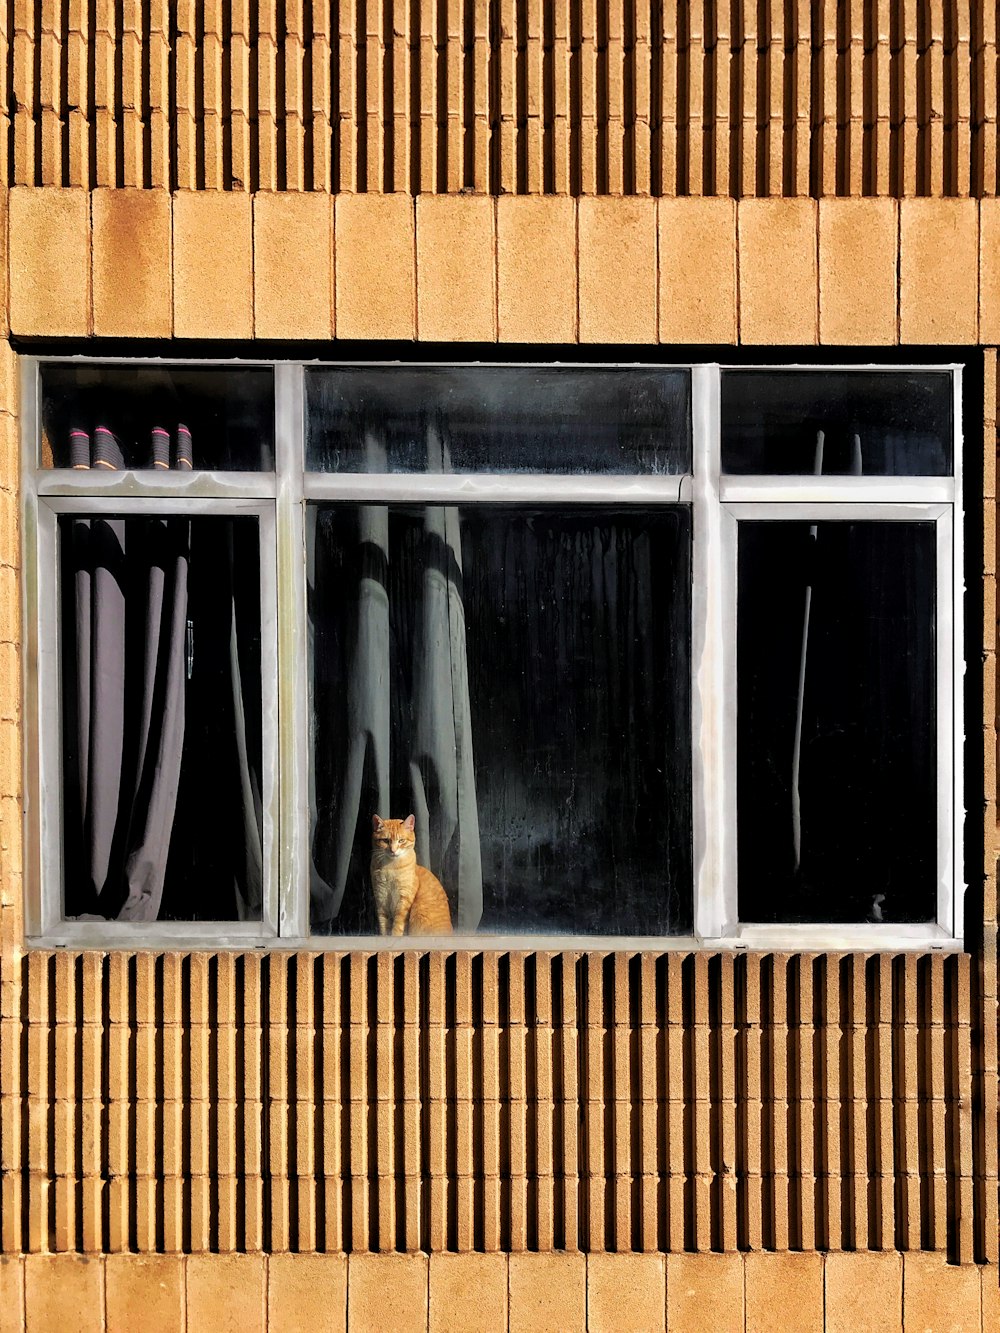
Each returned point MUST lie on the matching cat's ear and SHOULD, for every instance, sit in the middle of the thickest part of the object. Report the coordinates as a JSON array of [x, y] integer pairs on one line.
[[410, 822], [376, 823]]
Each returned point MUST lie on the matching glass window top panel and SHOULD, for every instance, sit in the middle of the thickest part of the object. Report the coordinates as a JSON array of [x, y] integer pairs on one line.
[[160, 641], [519, 682], [212, 418], [837, 423], [837, 761], [498, 419]]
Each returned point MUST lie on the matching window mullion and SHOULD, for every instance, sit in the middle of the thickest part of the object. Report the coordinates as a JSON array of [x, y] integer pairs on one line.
[[949, 723], [293, 720], [713, 671]]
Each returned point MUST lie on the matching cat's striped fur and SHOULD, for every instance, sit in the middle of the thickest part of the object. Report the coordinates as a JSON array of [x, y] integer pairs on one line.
[[409, 899]]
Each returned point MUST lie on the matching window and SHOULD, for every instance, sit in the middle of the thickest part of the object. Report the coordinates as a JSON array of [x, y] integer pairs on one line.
[[647, 652]]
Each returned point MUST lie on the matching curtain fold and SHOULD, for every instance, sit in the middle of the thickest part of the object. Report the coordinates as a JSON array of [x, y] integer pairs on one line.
[[442, 768], [131, 584], [163, 816], [404, 735]]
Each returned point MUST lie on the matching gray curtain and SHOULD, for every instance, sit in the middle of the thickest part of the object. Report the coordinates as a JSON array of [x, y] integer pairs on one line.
[[427, 735], [248, 887], [442, 769], [131, 592]]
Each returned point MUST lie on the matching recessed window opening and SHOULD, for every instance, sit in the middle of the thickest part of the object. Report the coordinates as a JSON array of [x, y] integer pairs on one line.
[[626, 654]]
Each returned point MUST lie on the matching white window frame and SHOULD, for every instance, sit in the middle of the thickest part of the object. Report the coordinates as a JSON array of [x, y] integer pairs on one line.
[[278, 500]]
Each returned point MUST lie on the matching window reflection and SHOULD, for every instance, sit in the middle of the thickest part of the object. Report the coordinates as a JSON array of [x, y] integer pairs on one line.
[[520, 682]]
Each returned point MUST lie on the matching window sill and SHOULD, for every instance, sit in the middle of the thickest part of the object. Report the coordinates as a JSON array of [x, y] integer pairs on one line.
[[248, 935]]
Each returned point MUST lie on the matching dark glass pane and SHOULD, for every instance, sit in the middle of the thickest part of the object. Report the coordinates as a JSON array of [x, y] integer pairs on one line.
[[520, 682], [106, 416], [161, 689], [498, 419], [854, 603], [877, 423]]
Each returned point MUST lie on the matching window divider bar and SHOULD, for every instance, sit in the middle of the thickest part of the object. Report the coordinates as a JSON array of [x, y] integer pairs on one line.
[[839, 511], [34, 554], [837, 490], [128, 506], [43, 668], [961, 654], [153, 485], [713, 674], [460, 488], [293, 712], [949, 722]]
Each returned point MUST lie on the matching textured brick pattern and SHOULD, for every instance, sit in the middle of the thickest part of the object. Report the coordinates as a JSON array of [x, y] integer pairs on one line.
[[671, 1103], [619, 98], [727, 1103], [692, 1103]]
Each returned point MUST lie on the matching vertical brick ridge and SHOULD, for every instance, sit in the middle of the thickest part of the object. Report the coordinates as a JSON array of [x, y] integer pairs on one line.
[[333, 1053], [985, 84], [748, 1011], [567, 1095], [699, 1101], [722, 1016], [888, 97], [408, 1107], [226, 1113], [762, 1102], [514, 1203], [6, 136], [253, 1129], [386, 1095], [883, 1120], [909, 1086], [319, 74], [434, 1088], [358, 1209], [649, 1145], [304, 1111], [543, 1090], [278, 1077], [957, 1083], [593, 1089], [802, 1127], [858, 1229]]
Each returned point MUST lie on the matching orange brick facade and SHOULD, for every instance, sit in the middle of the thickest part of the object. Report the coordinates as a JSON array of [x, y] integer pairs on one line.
[[609, 1141]]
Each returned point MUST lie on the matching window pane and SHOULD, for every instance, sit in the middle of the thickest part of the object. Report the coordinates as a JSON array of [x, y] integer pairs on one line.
[[874, 423], [161, 691], [835, 644], [519, 681], [110, 417], [498, 419]]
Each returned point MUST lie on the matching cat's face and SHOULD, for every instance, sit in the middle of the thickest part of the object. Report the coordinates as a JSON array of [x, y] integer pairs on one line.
[[393, 837]]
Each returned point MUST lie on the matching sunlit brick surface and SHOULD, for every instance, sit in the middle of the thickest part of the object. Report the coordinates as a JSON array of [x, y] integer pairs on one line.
[[244, 1135], [672, 99]]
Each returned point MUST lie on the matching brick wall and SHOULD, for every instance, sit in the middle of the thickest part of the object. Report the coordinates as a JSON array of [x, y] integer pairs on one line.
[[768, 1103], [526, 1293], [822, 1129], [888, 97], [143, 264]]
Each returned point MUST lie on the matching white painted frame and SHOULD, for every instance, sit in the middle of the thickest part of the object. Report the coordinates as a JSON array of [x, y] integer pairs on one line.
[[278, 499]]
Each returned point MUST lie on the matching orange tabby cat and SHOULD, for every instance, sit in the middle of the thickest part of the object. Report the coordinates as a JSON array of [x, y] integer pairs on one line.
[[409, 899]]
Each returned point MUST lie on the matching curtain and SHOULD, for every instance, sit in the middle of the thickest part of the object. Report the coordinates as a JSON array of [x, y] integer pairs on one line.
[[216, 867], [163, 811], [130, 585], [391, 699]]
